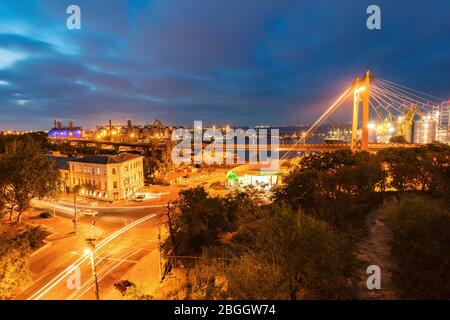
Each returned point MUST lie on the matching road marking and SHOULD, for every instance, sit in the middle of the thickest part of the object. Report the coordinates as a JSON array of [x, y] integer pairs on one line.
[[104, 273], [57, 279]]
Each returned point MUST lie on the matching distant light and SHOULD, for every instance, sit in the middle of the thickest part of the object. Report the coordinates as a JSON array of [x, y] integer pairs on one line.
[[87, 251], [360, 89], [371, 125]]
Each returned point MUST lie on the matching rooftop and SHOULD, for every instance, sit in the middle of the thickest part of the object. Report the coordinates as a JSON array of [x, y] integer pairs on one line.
[[61, 162], [117, 158]]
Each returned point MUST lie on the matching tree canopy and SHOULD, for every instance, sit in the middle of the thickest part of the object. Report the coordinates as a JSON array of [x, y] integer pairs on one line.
[[25, 173]]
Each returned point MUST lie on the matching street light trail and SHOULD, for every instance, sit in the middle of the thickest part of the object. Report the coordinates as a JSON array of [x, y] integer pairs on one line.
[[69, 207], [57, 279], [104, 273]]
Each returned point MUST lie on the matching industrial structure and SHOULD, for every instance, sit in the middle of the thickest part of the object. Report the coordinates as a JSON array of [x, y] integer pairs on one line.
[[132, 133], [389, 110], [60, 131]]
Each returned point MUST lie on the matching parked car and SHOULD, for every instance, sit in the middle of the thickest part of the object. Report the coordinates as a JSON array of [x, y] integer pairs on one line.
[[45, 215], [123, 285]]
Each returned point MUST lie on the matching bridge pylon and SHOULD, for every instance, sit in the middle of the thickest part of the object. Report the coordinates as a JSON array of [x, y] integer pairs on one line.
[[361, 93]]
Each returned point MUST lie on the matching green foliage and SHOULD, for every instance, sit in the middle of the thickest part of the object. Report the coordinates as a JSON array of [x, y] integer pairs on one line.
[[292, 256], [302, 246], [7, 142], [421, 247], [311, 257], [157, 162], [202, 220], [402, 166], [15, 246], [424, 168], [25, 173], [338, 187], [14, 273], [398, 139]]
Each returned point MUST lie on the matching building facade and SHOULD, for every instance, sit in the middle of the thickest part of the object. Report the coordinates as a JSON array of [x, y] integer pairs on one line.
[[102, 177], [109, 178]]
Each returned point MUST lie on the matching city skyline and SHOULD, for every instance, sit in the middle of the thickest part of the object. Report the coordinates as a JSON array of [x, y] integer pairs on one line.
[[275, 63], [213, 157]]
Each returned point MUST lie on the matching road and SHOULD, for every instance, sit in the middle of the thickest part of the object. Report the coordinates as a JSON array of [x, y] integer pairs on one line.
[[125, 235]]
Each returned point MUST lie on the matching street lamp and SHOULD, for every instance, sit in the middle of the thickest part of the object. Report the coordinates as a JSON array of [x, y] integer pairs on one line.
[[75, 209], [90, 253]]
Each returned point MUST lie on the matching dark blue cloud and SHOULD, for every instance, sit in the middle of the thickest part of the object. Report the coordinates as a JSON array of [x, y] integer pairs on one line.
[[245, 62]]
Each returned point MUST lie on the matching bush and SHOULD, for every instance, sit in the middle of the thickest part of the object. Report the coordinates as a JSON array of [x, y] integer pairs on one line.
[[16, 243], [421, 247], [338, 187], [294, 256]]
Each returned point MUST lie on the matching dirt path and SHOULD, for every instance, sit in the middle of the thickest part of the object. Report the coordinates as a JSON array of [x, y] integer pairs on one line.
[[375, 250]]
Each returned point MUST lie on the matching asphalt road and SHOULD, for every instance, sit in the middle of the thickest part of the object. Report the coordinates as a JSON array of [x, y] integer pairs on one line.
[[124, 237]]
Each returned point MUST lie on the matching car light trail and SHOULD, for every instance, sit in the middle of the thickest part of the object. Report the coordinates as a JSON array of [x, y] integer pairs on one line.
[[57, 279], [104, 273]]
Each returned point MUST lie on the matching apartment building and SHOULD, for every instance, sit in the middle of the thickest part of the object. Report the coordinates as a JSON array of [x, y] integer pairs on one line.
[[115, 177], [102, 177]]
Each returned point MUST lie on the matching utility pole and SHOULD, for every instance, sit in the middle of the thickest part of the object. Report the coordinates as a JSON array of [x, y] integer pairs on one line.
[[90, 252], [159, 254], [75, 216]]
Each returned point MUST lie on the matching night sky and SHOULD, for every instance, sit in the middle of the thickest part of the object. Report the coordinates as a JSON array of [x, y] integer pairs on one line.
[[244, 62]]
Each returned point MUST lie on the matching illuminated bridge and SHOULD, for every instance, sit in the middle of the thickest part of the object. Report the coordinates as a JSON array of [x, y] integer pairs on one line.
[[381, 110], [387, 110]]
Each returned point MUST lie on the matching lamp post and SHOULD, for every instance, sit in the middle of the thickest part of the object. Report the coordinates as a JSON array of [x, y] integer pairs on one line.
[[75, 209], [89, 252], [75, 218], [159, 254]]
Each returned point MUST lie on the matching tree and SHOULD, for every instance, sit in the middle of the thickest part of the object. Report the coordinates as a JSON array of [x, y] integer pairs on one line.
[[338, 187], [199, 224], [151, 168], [402, 164], [157, 162], [433, 165], [398, 139], [293, 256], [202, 220], [310, 254], [27, 174], [16, 244], [298, 190], [3, 175], [420, 246]]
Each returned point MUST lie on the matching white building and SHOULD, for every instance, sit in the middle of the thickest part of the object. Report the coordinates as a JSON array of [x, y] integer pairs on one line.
[[115, 177]]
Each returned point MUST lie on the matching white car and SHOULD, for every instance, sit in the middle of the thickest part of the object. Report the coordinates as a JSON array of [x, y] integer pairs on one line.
[[139, 198], [89, 212]]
